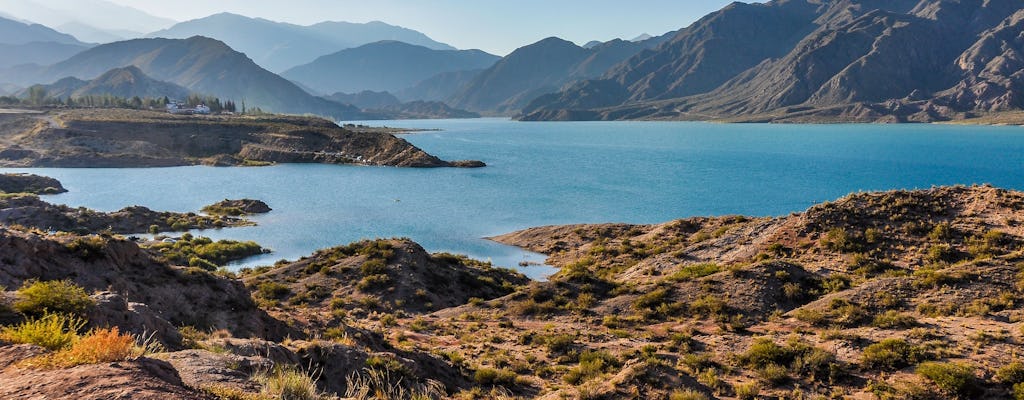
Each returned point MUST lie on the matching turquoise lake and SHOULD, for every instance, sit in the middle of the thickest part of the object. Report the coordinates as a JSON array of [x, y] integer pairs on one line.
[[560, 173]]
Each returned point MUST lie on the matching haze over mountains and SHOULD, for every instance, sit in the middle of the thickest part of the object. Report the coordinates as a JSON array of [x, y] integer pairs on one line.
[[278, 46]]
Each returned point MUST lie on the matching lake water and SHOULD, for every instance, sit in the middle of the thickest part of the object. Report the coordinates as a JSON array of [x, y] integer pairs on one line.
[[560, 173]]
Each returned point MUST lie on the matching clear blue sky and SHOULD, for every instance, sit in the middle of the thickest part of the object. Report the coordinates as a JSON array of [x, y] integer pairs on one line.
[[496, 26]]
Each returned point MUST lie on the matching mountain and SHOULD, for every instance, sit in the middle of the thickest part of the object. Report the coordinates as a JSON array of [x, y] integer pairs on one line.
[[438, 87], [423, 110], [278, 46], [537, 69], [22, 43], [92, 34], [384, 66], [365, 99], [200, 64], [807, 60], [109, 16], [15, 32], [124, 82]]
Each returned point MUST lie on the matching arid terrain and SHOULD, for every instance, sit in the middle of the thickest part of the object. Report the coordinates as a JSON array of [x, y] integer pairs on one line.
[[892, 295]]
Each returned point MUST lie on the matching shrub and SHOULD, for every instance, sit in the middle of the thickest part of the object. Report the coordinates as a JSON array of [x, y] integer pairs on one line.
[[747, 391], [52, 331], [1018, 391], [99, 346], [288, 383], [838, 240], [694, 271], [941, 253], [1011, 374], [687, 394], [40, 297], [891, 354], [491, 376], [272, 290], [894, 320], [773, 374], [955, 378], [592, 363]]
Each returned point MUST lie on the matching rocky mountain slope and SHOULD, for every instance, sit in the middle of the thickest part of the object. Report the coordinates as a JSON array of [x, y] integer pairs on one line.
[[129, 138], [279, 46], [199, 64], [384, 66], [802, 60]]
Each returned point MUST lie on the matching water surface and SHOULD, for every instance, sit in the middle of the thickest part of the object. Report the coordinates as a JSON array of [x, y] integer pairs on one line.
[[563, 172]]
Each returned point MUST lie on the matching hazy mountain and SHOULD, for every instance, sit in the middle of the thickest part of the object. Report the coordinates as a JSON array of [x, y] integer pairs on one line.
[[537, 69], [384, 66], [15, 32], [365, 99], [424, 110], [592, 44], [8, 89], [124, 82], [278, 46], [22, 43], [199, 64], [91, 34], [844, 59], [641, 37], [439, 87], [95, 13]]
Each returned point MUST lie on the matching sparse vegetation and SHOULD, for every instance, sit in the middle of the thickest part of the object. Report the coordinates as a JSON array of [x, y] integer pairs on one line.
[[40, 297]]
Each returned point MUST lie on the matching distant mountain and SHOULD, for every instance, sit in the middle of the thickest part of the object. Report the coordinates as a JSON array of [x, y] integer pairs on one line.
[[278, 46], [108, 16], [22, 43], [124, 82], [537, 69], [15, 32], [847, 60], [384, 66], [91, 34], [641, 37], [7, 89], [592, 44], [438, 87], [200, 64], [365, 99]]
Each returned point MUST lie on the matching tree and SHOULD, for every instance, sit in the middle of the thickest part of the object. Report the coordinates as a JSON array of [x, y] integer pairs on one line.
[[37, 95]]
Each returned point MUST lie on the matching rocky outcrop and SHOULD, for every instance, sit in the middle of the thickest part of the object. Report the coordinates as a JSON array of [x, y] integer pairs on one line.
[[28, 183], [237, 207], [144, 379], [30, 211], [127, 138]]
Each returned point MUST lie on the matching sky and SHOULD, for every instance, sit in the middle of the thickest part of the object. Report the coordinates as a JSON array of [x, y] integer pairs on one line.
[[495, 26]]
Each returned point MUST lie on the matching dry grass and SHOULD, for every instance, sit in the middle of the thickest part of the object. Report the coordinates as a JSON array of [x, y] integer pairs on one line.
[[98, 346], [52, 331]]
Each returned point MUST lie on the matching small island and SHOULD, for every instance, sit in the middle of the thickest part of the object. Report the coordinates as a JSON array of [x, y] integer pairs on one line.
[[28, 183], [236, 208]]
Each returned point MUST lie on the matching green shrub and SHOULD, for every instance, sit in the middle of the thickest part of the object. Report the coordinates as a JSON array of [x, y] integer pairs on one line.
[[592, 363], [272, 290], [893, 319], [954, 378], [687, 394], [1018, 391], [491, 376], [52, 331], [695, 271], [747, 391], [891, 354], [1011, 374], [39, 297]]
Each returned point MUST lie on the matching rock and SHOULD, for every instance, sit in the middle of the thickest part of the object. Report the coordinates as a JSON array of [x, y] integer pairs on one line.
[[143, 379], [236, 208], [112, 309], [468, 164], [28, 183], [204, 369]]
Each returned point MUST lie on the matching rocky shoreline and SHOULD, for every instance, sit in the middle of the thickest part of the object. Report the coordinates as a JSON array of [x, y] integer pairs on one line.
[[119, 138], [875, 295]]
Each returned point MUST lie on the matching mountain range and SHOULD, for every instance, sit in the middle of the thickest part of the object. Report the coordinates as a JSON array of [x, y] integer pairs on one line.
[[278, 46], [807, 60], [94, 21], [22, 43], [539, 68], [384, 66], [199, 64]]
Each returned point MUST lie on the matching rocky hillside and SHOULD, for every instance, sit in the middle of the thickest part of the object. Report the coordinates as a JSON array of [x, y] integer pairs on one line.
[[892, 295], [802, 60], [128, 138]]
